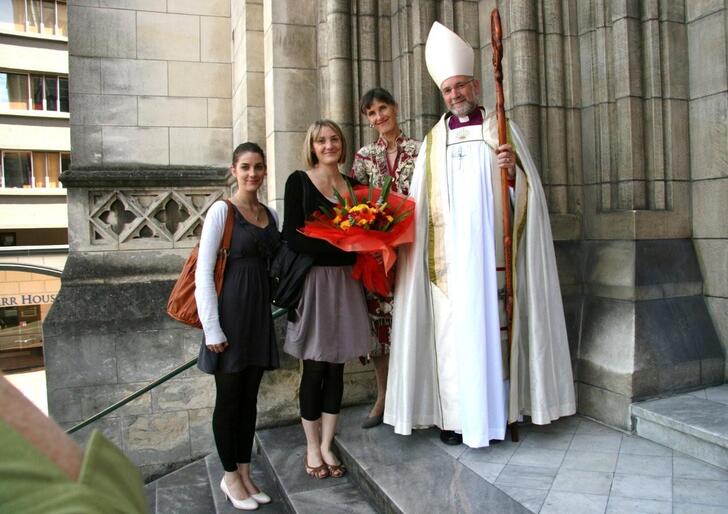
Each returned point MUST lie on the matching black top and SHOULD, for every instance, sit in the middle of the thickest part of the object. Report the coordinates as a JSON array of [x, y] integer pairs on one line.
[[299, 188], [244, 301]]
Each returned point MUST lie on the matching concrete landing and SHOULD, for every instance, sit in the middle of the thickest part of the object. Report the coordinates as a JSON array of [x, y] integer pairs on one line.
[[574, 465], [694, 423]]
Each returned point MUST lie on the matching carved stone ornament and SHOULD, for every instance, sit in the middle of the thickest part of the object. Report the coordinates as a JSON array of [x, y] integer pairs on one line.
[[134, 218]]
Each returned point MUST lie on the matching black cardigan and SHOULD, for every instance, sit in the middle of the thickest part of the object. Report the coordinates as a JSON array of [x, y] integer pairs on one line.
[[298, 187]]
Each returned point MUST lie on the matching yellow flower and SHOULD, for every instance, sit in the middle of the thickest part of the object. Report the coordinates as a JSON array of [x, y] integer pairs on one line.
[[361, 207], [345, 225], [390, 218]]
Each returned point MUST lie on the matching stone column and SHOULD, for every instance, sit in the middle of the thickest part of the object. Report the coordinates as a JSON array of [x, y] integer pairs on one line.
[[151, 138], [707, 37], [248, 88], [646, 330], [367, 44], [337, 93], [291, 87]]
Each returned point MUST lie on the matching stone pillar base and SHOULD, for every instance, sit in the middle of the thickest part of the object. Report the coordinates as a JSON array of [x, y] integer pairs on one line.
[[646, 329]]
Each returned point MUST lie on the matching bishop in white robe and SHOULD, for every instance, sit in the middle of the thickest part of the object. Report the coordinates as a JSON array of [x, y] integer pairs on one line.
[[450, 363]]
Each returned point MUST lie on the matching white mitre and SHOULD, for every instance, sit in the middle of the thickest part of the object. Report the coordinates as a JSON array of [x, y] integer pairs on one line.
[[447, 54]]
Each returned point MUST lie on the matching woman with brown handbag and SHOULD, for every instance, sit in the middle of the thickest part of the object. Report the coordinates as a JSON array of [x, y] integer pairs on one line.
[[239, 339]]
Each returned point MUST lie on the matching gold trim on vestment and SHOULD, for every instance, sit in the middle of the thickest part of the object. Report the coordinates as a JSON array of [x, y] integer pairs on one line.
[[436, 255]]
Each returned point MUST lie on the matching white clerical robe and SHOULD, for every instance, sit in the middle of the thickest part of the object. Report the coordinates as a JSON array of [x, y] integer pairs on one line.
[[446, 366]]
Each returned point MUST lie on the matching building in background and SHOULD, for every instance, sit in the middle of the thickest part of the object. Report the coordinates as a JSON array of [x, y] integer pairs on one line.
[[34, 149]]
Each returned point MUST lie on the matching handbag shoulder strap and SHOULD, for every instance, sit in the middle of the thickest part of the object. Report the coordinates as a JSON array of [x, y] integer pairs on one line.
[[227, 234]]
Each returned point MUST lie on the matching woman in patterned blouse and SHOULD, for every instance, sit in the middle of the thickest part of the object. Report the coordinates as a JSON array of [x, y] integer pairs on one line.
[[393, 154]]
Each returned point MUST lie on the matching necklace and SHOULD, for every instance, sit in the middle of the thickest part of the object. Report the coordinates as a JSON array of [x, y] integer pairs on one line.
[[254, 213], [326, 183]]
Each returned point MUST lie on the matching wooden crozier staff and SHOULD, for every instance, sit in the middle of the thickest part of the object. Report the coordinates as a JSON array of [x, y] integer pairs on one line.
[[496, 35]]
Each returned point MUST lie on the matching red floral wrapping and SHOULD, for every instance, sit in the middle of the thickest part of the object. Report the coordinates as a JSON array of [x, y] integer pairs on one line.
[[367, 242]]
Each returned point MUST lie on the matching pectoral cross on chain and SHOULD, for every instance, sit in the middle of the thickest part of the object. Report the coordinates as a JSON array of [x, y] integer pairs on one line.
[[459, 155]]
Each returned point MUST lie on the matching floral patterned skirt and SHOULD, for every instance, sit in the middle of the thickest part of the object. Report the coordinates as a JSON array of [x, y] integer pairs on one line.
[[380, 323]]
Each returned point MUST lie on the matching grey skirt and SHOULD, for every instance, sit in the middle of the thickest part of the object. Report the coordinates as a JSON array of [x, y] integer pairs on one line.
[[331, 323]]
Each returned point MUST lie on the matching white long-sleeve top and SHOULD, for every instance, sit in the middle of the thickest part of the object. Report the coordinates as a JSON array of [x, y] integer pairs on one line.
[[205, 294]]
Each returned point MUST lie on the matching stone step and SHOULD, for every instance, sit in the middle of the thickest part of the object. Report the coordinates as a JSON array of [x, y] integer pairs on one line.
[[260, 476], [693, 423], [184, 490], [282, 453], [387, 473], [414, 474], [195, 489]]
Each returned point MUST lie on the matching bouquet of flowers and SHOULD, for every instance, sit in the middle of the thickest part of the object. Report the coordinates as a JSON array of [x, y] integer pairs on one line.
[[369, 221]]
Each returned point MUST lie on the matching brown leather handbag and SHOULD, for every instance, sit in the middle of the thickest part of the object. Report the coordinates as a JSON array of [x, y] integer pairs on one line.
[[182, 305]]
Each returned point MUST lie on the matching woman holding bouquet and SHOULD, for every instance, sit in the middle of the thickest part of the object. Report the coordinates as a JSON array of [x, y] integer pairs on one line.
[[329, 325], [392, 155]]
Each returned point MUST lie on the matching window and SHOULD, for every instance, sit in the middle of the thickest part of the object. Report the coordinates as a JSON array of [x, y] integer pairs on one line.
[[33, 169], [33, 92], [61, 19], [32, 15], [21, 336], [38, 16], [16, 169], [36, 87], [13, 91], [12, 14], [7, 238], [63, 93], [51, 93]]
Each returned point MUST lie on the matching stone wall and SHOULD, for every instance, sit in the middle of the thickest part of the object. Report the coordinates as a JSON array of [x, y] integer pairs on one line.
[[152, 86], [623, 105], [601, 92], [150, 82], [707, 26]]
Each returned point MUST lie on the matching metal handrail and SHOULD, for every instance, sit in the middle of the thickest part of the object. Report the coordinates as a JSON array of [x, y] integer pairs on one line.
[[277, 313]]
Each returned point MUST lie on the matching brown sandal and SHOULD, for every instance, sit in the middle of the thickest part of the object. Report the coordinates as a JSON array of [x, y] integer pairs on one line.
[[336, 470], [317, 472]]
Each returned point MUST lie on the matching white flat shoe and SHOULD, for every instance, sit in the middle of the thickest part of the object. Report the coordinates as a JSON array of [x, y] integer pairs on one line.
[[261, 497], [246, 504]]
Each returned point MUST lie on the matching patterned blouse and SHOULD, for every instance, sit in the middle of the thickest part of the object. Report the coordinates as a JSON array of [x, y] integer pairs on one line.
[[371, 166], [370, 163]]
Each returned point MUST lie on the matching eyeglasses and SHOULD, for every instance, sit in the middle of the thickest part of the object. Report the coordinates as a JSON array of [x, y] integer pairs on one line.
[[457, 87]]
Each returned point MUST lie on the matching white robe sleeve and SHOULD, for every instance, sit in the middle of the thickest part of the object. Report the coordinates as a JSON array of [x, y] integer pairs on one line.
[[205, 293]]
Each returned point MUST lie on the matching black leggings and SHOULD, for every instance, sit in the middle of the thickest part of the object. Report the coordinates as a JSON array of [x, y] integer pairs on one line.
[[322, 386], [233, 420]]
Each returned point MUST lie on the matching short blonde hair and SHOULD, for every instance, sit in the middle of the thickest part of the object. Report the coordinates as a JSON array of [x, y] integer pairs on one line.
[[309, 156]]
